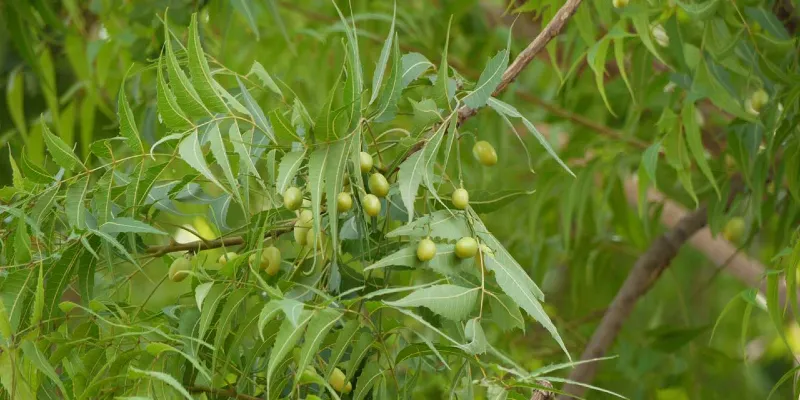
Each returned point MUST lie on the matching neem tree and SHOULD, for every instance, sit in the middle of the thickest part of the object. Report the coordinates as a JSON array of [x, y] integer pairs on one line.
[[349, 262]]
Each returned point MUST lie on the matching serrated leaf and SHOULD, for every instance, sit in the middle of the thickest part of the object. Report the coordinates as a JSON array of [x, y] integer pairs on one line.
[[335, 169], [343, 341], [201, 75], [287, 338], [421, 350], [450, 301], [380, 67], [32, 171], [768, 21], [235, 300], [642, 25], [477, 338], [650, 160], [258, 70], [214, 137], [484, 201], [368, 378], [409, 178], [73, 203], [445, 262], [439, 224], [61, 153], [316, 184], [15, 99], [127, 123], [695, 143], [699, 11], [201, 292], [318, 329], [441, 93], [171, 114], [41, 363], [38, 300], [596, 58], [413, 66], [505, 312], [509, 110], [284, 131], [241, 148], [185, 95], [114, 243], [166, 378], [489, 80], [268, 313], [390, 95], [261, 121], [190, 151], [287, 169], [125, 224], [352, 45]]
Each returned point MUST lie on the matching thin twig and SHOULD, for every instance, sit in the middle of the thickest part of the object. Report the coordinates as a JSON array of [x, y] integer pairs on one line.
[[200, 245], [220, 392]]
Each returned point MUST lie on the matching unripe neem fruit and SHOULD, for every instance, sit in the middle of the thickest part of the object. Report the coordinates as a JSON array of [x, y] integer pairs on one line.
[[271, 260], [227, 257], [292, 198], [344, 202], [734, 230], [378, 185], [619, 3], [466, 247], [371, 204], [426, 250], [365, 162], [460, 198], [759, 99], [179, 269], [484, 153], [337, 381]]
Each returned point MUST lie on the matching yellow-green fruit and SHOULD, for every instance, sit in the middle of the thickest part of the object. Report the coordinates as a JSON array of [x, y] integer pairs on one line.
[[365, 161], [344, 202], [292, 198], [619, 3], [179, 269], [372, 205], [312, 397], [734, 230], [271, 260], [256, 261], [305, 218], [311, 236], [309, 375], [466, 247], [337, 381], [460, 199], [484, 153], [378, 185], [227, 257], [426, 250], [759, 99], [302, 226]]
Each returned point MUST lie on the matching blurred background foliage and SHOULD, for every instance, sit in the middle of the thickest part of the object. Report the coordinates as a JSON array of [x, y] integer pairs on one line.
[[62, 63]]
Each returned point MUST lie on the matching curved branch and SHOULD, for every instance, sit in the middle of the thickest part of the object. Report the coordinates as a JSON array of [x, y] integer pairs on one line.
[[200, 245]]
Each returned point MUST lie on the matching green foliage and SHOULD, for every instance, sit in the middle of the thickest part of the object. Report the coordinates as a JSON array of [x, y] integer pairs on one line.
[[132, 130]]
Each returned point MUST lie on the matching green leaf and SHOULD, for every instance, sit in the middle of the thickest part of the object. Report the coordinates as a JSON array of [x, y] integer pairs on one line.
[[422, 350], [41, 363], [287, 169], [413, 65], [134, 373], [450, 301], [343, 340], [74, 203], [211, 302], [185, 95], [596, 59], [353, 53], [318, 328], [32, 171], [489, 80], [390, 95], [439, 224], [445, 262], [227, 316], [201, 75], [509, 110], [409, 178], [114, 243], [642, 25], [15, 99], [505, 312], [477, 338], [380, 67], [16, 176], [62, 154], [125, 224], [260, 119], [768, 21], [484, 201], [244, 7], [258, 70], [38, 302], [22, 243], [316, 184], [699, 11], [171, 114], [241, 148], [695, 142], [441, 92], [214, 137], [190, 151], [368, 378], [287, 338], [335, 170], [650, 160]]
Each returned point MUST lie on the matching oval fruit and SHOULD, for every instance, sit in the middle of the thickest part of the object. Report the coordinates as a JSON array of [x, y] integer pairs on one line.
[[271, 260], [759, 99], [227, 257], [344, 202], [619, 3], [426, 250], [484, 153], [460, 198], [378, 185], [292, 198], [365, 162], [734, 230], [372, 205], [337, 381], [466, 247], [179, 269]]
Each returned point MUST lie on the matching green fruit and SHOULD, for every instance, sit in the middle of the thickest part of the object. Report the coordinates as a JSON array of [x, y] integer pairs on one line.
[[734, 230], [619, 3], [302, 226], [365, 161], [460, 199], [227, 257], [426, 250], [484, 153], [372, 205], [179, 269], [256, 261], [337, 381], [344, 202], [466, 247], [309, 375], [271, 260], [311, 236], [759, 99], [378, 185], [292, 198]]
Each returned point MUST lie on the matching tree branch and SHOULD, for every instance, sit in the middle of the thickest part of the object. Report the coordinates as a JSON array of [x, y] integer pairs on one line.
[[645, 272], [200, 245]]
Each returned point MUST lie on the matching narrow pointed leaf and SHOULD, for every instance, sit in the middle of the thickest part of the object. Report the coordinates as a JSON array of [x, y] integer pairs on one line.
[[201, 75], [62, 154], [190, 151], [490, 77], [450, 301]]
